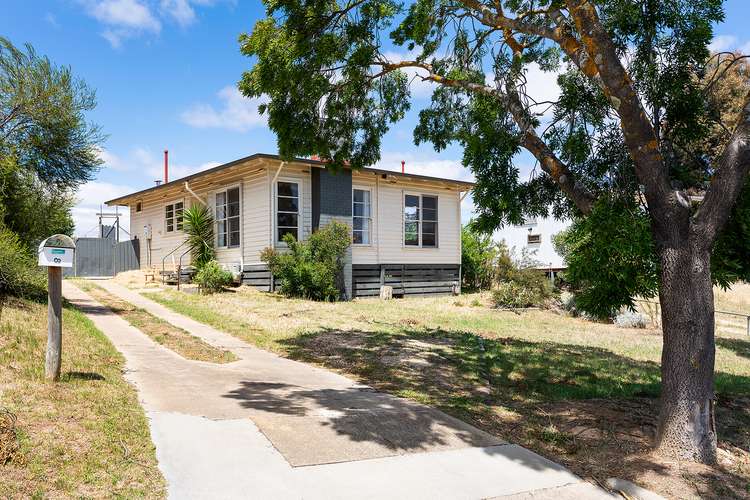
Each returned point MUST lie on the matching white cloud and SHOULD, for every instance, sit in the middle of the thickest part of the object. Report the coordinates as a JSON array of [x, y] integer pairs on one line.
[[150, 164], [236, 112], [179, 10], [542, 85], [123, 19], [420, 165], [723, 43], [90, 200], [112, 161]]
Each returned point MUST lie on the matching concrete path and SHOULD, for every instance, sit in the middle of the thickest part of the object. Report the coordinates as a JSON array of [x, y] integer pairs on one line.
[[270, 427]]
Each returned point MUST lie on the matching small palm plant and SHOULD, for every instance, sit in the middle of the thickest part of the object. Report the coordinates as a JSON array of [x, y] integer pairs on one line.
[[198, 224]]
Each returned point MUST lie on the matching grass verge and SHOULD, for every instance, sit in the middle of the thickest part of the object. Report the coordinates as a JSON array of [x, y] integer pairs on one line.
[[178, 340], [85, 436], [581, 393]]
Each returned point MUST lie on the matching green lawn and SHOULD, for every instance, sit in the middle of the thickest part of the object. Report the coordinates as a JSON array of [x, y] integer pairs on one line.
[[85, 436], [581, 393]]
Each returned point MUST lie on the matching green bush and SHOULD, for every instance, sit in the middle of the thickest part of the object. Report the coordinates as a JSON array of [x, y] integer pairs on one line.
[[524, 288], [212, 277], [19, 274], [312, 269], [611, 258], [478, 256]]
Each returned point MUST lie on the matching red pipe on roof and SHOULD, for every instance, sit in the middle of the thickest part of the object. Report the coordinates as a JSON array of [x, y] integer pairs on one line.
[[166, 166], [403, 169]]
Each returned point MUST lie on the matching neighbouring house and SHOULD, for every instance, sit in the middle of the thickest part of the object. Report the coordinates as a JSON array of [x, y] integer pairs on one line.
[[533, 240], [406, 228]]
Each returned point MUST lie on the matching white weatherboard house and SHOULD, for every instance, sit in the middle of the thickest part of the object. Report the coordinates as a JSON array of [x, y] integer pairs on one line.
[[534, 238], [406, 229]]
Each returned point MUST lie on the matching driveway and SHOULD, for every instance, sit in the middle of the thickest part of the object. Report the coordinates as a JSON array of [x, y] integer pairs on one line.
[[270, 427]]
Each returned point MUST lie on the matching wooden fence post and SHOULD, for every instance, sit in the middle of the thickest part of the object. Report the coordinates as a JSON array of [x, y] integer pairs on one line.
[[54, 324]]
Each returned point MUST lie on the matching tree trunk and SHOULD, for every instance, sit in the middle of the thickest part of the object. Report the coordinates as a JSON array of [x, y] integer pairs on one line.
[[686, 428]]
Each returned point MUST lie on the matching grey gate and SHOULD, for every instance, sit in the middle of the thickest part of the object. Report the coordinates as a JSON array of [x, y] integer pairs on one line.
[[104, 257]]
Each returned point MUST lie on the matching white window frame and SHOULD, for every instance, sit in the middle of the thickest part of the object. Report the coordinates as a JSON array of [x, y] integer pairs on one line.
[[224, 189], [369, 219], [420, 221], [174, 216], [293, 180], [534, 235]]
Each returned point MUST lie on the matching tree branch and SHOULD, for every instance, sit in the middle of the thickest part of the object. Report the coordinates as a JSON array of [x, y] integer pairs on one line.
[[549, 162], [730, 178], [637, 129]]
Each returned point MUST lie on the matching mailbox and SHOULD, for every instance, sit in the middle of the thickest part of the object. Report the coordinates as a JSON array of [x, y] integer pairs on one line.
[[57, 251]]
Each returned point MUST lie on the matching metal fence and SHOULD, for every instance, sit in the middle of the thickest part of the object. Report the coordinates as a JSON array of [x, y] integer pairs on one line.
[[727, 323], [104, 257]]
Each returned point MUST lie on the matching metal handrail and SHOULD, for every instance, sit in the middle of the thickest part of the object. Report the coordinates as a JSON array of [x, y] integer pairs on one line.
[[179, 266], [163, 269]]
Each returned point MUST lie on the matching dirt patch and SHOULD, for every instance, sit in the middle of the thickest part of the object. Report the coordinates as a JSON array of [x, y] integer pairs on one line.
[[613, 438]]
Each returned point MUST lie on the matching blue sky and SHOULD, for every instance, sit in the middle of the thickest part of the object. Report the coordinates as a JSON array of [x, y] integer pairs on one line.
[[165, 73]]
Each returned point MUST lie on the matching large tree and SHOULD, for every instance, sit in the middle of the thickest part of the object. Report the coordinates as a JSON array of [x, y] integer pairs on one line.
[[626, 127], [47, 148]]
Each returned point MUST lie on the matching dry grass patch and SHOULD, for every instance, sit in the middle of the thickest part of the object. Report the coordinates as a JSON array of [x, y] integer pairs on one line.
[[180, 341], [581, 393], [85, 436], [136, 279]]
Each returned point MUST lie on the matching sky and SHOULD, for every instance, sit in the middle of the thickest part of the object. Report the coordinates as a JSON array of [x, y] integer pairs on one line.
[[165, 74]]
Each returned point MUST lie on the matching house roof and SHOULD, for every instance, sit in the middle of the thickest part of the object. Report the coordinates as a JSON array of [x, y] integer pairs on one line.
[[122, 200]]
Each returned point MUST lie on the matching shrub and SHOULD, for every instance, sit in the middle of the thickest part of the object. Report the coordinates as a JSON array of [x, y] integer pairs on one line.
[[198, 224], [312, 269], [531, 290], [19, 274], [478, 256], [611, 258], [212, 277], [630, 319]]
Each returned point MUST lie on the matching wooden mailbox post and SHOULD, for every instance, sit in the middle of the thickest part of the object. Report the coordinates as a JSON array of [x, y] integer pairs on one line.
[[55, 253]]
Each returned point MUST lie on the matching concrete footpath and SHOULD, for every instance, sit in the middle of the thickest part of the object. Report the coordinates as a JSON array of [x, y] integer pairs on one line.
[[269, 427]]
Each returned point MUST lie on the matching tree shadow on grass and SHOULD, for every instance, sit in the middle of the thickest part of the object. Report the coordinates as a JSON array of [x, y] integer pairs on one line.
[[69, 376], [516, 369], [587, 407], [739, 346]]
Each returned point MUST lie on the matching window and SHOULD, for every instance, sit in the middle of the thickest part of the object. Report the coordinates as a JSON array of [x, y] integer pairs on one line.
[[138, 206], [361, 217], [287, 209], [420, 220], [534, 239], [228, 218], [173, 217]]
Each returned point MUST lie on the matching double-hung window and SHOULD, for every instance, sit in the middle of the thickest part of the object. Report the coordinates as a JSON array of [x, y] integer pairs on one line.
[[420, 220], [287, 209], [228, 218], [173, 217], [361, 216]]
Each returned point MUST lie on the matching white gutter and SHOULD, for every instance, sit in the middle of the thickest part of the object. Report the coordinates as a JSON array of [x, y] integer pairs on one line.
[[273, 212]]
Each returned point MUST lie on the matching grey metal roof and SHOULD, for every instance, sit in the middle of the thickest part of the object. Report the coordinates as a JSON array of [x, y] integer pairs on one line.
[[119, 200]]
